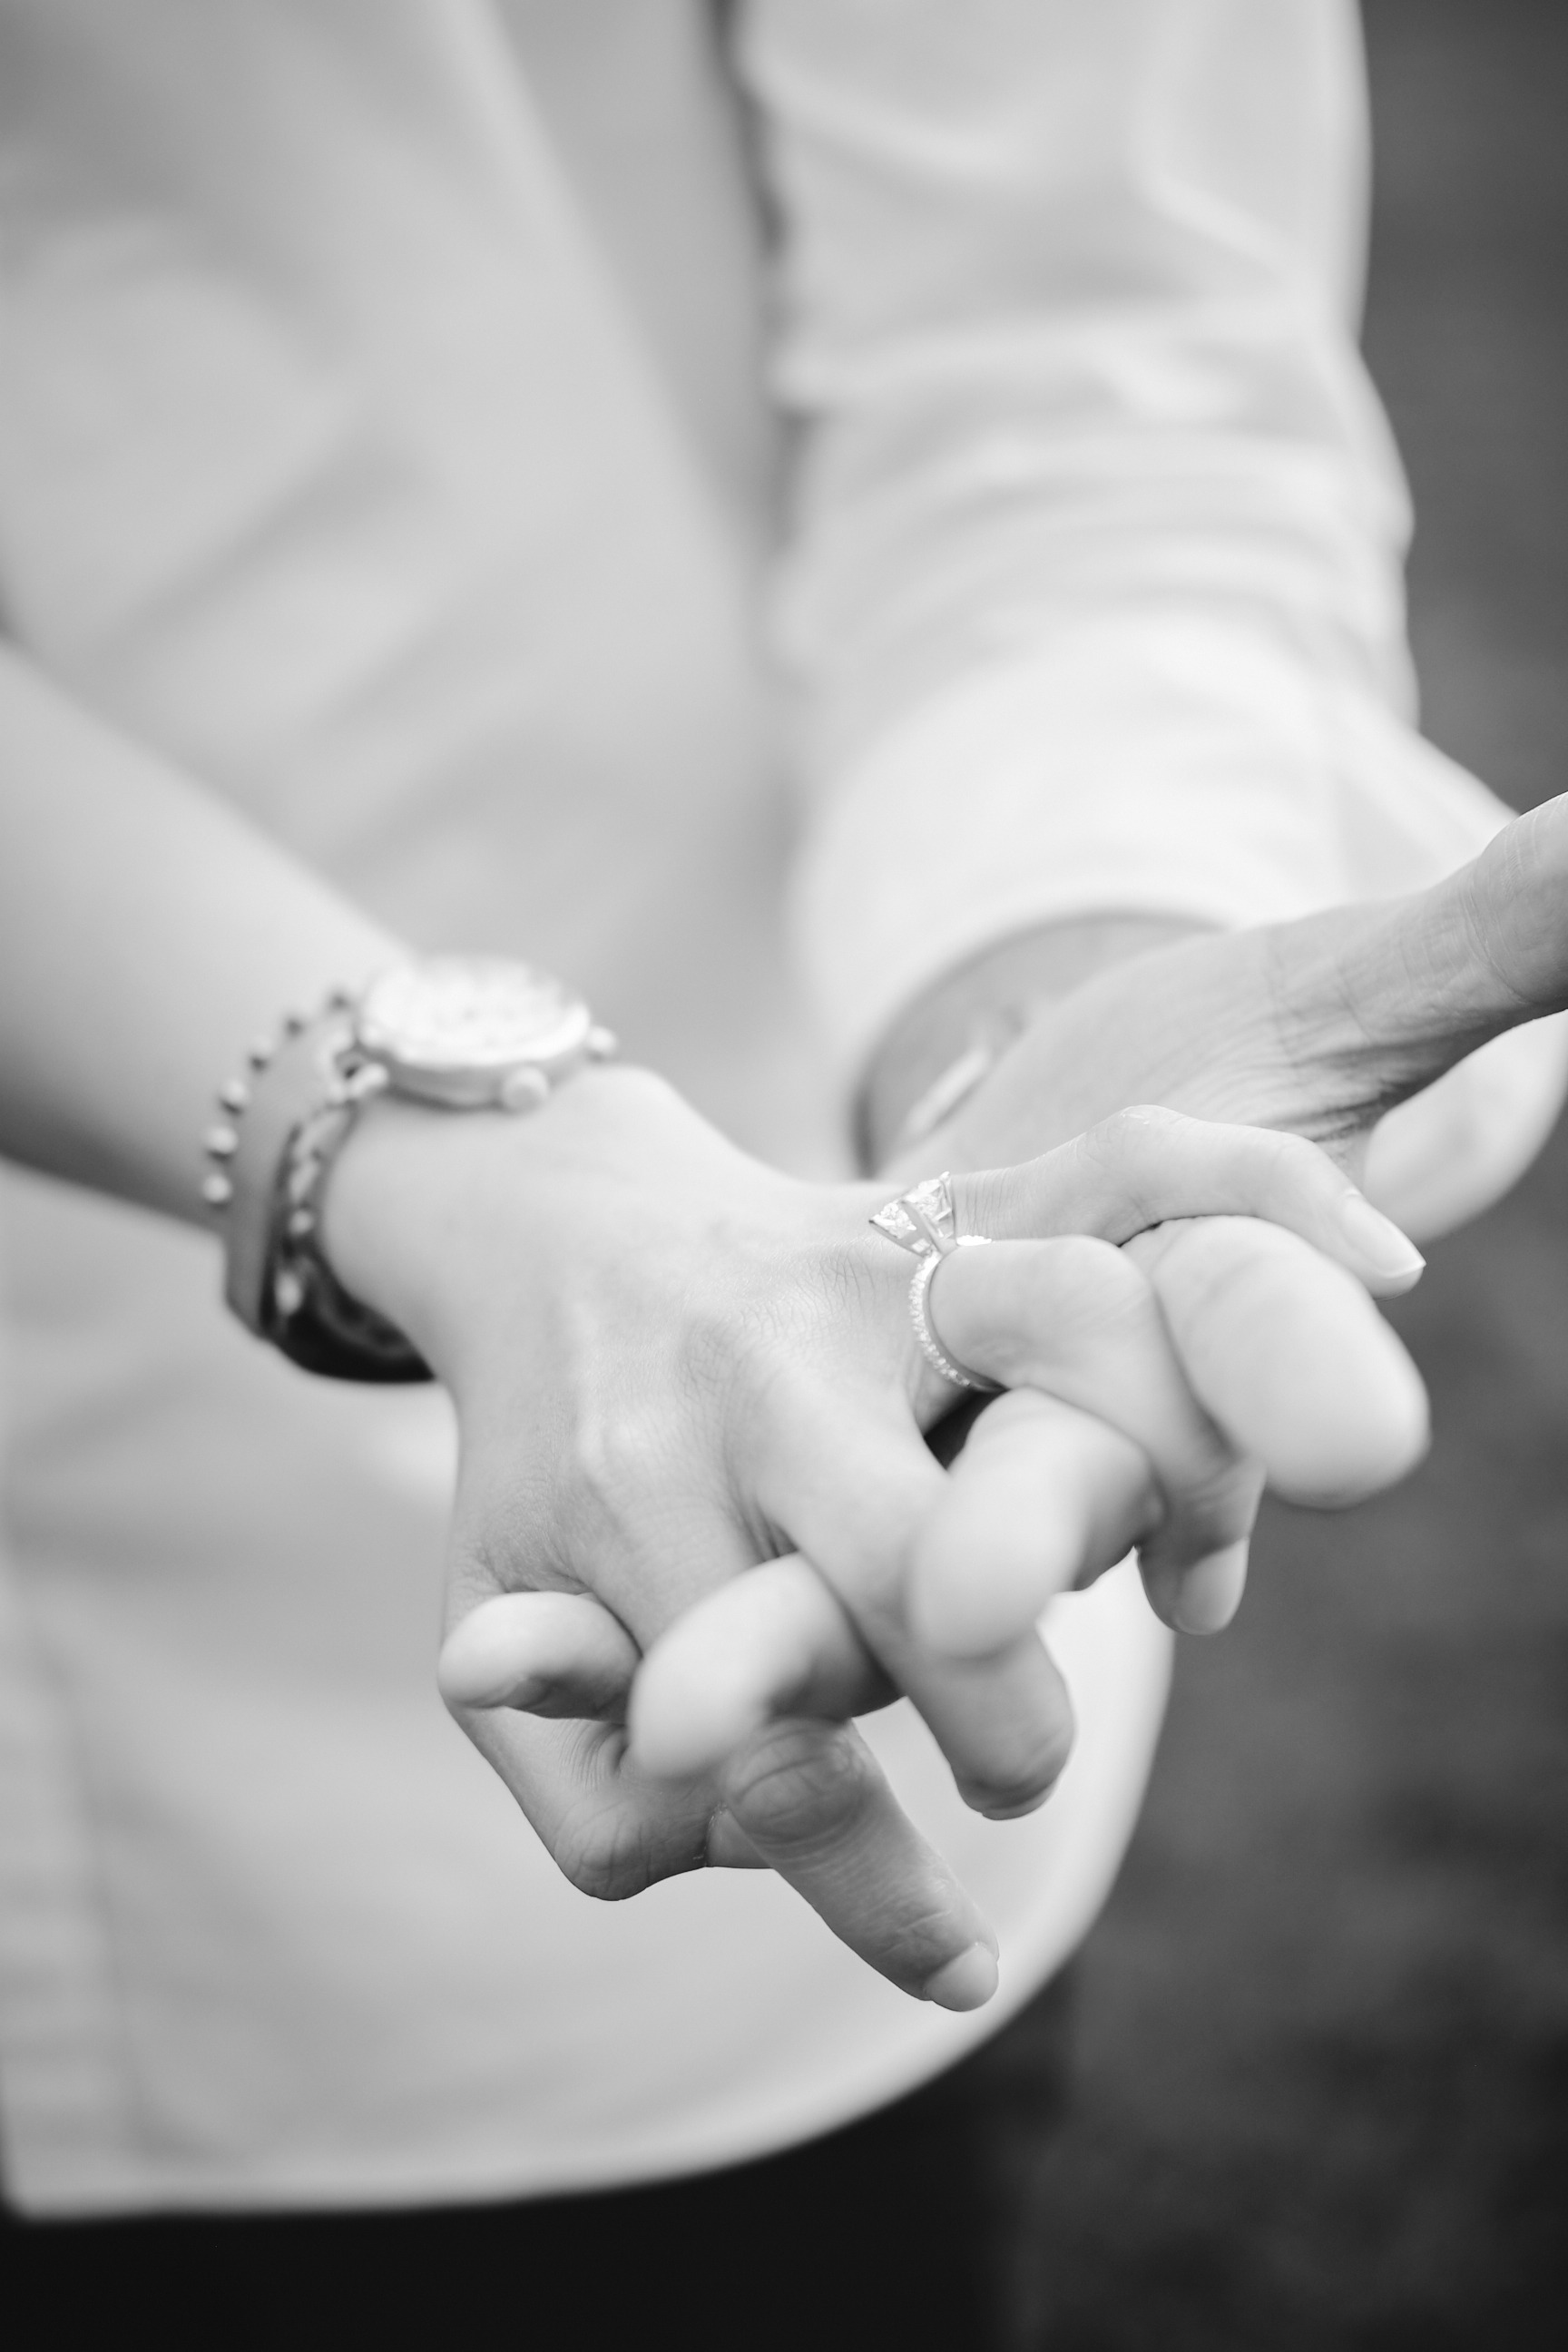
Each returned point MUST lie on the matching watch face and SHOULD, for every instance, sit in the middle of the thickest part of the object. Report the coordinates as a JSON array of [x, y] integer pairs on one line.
[[453, 1027]]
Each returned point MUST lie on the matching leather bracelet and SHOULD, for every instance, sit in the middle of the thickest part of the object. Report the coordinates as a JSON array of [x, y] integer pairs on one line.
[[285, 1121]]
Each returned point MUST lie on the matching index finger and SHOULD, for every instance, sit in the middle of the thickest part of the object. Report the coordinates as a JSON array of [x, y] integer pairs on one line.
[[1148, 1165]]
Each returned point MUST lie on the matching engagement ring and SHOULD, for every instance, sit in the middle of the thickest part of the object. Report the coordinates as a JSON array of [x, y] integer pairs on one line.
[[921, 1221]]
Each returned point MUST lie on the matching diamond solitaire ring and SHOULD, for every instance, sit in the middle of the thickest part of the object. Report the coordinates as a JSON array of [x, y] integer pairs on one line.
[[921, 1221]]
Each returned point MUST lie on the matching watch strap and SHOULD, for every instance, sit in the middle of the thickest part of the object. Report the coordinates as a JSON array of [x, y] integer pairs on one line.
[[290, 1117]]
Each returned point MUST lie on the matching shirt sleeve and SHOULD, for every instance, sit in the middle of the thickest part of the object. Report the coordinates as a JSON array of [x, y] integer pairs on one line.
[[1093, 598]]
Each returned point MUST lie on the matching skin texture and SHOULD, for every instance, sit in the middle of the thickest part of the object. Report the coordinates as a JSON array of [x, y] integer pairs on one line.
[[747, 1385], [485, 1237], [110, 1051], [1315, 1028]]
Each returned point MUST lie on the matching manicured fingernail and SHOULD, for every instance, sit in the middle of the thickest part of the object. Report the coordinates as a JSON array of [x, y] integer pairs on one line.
[[1377, 1240], [967, 1982], [1209, 1594]]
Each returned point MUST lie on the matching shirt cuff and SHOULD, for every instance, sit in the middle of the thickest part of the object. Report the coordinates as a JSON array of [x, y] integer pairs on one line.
[[1169, 766]]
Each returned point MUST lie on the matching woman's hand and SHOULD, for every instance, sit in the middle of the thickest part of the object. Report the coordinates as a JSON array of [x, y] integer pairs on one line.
[[671, 1364], [1296, 1382]]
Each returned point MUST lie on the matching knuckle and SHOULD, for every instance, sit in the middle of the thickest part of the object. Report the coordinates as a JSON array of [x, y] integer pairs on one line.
[[1103, 1174], [1139, 1123], [796, 1784], [1132, 1147], [606, 1855], [724, 1338], [606, 1475]]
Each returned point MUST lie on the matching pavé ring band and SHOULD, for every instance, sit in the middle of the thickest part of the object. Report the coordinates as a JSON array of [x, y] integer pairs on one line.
[[930, 1346], [921, 1221]]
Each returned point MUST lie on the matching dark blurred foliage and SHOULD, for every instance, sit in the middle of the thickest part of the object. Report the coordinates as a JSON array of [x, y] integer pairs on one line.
[[1321, 2097]]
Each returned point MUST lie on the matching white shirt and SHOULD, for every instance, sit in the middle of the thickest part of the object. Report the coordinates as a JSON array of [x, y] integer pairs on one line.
[[390, 400]]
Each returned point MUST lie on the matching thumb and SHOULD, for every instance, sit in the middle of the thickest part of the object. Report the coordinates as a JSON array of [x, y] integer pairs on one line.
[[1290, 1356], [1480, 952], [1516, 894]]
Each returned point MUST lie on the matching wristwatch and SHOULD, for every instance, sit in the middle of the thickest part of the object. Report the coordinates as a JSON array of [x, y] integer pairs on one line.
[[473, 1033], [458, 1032]]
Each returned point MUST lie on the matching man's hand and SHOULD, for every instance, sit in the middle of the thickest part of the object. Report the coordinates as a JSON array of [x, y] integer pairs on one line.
[[1316, 1027]]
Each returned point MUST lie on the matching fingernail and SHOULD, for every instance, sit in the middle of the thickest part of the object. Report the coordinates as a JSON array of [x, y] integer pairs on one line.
[[1377, 1240], [1209, 1594], [967, 1982], [1013, 1809]]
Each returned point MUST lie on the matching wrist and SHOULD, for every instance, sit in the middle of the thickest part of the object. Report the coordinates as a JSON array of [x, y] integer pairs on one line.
[[473, 1035], [385, 1202], [964, 1021], [443, 1220]]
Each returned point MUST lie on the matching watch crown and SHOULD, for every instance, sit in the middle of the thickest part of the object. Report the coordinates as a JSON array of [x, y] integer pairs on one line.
[[523, 1089]]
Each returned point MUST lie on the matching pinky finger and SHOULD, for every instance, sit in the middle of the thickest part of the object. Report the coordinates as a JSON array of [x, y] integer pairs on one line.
[[552, 1654]]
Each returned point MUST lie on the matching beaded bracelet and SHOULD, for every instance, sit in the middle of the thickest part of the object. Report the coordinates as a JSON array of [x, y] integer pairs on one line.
[[286, 1120]]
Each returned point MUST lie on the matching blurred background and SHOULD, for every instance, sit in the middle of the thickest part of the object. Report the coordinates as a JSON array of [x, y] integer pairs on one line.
[[1321, 2091]]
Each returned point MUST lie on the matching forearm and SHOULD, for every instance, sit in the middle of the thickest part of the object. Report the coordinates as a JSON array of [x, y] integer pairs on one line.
[[147, 933], [1092, 595], [982, 1005]]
